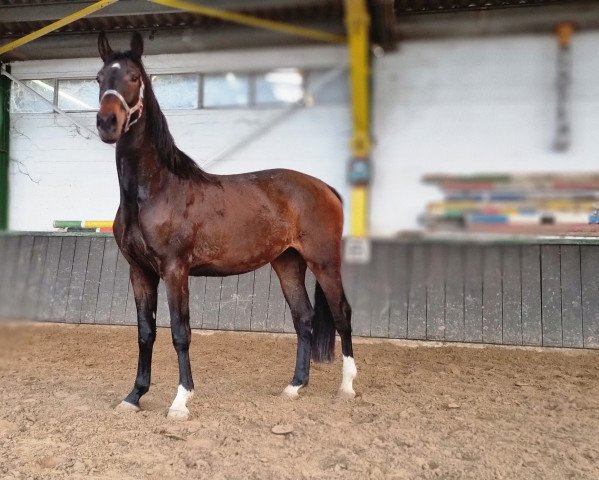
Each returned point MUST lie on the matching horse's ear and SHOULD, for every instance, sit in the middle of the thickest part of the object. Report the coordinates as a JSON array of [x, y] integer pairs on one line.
[[137, 45], [104, 47]]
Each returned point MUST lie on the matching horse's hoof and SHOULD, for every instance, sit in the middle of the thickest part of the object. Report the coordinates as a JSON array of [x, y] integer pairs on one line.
[[177, 414], [344, 394], [291, 392], [127, 407]]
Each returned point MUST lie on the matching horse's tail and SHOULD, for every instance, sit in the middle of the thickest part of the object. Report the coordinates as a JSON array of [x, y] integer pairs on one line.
[[323, 329]]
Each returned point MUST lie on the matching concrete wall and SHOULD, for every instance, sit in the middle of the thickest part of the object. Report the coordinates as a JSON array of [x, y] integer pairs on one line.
[[474, 105], [58, 174]]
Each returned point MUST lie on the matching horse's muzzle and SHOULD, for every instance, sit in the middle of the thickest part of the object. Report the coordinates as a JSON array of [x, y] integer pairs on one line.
[[107, 127]]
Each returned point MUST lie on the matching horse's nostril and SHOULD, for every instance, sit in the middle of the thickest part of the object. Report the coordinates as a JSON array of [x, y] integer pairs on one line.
[[106, 121]]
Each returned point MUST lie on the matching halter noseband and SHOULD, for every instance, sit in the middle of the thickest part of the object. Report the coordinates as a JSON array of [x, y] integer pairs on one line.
[[138, 107]]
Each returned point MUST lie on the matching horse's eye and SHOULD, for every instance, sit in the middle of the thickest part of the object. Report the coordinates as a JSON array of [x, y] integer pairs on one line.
[[134, 78], [98, 79]]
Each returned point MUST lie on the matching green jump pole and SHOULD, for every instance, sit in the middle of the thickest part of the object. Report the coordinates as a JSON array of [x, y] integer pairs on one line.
[[4, 134], [67, 224]]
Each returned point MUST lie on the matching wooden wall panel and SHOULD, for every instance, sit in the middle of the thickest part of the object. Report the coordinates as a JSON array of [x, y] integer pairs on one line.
[[529, 294]]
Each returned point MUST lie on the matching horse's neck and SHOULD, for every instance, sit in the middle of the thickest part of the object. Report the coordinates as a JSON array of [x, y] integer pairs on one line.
[[138, 166]]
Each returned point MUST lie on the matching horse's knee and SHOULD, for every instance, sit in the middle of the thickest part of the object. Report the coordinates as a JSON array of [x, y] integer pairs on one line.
[[146, 337]]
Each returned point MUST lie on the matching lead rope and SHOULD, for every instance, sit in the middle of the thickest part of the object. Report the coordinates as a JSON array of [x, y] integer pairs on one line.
[[138, 107]]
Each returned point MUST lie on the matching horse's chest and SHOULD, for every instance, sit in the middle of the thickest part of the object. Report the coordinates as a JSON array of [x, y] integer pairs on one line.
[[130, 239]]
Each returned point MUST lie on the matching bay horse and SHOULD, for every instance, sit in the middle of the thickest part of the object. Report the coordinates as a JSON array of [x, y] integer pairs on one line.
[[175, 220]]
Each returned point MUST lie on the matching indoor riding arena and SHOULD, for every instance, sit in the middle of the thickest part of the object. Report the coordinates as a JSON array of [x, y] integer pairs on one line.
[[397, 200]]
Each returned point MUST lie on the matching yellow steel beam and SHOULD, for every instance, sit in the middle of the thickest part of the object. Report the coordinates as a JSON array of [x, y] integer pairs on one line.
[[358, 22], [252, 21], [55, 25], [358, 226]]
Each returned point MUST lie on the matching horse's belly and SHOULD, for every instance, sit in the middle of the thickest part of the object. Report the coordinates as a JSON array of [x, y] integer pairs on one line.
[[239, 252], [223, 270]]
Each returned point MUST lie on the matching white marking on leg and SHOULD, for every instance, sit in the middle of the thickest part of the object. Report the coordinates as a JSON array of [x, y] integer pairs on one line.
[[291, 391], [349, 373], [179, 409], [116, 65]]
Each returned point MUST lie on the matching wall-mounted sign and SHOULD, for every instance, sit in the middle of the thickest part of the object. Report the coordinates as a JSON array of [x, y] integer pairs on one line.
[[357, 250]]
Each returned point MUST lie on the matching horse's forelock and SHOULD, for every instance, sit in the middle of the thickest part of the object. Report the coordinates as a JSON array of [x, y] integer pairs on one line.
[[127, 55]]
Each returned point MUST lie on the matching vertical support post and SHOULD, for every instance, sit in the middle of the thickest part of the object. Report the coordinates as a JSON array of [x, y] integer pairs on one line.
[[358, 22], [563, 134], [4, 136]]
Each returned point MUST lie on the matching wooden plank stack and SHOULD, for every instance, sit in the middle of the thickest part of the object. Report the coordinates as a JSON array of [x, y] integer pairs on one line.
[[515, 203]]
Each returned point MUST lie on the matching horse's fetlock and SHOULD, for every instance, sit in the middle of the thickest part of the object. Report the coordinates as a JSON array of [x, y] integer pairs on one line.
[[142, 388]]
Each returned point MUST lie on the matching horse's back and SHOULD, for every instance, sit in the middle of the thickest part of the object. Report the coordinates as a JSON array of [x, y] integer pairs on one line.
[[294, 187]]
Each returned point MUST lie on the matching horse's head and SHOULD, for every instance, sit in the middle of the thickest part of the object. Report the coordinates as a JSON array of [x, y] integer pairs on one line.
[[121, 88]]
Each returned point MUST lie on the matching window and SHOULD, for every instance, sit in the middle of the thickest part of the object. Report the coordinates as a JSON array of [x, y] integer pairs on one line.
[[189, 91], [279, 86], [176, 92], [327, 87], [226, 90], [24, 101], [79, 95]]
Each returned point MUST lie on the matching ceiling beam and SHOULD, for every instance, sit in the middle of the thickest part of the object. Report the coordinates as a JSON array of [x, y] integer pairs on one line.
[[584, 16], [94, 7], [171, 40], [253, 21], [52, 11], [36, 12]]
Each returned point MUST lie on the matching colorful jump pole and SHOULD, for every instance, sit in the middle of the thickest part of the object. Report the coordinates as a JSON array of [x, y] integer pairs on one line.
[[82, 224]]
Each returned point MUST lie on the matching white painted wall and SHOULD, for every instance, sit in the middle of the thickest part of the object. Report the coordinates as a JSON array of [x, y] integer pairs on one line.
[[459, 105], [474, 105], [58, 174]]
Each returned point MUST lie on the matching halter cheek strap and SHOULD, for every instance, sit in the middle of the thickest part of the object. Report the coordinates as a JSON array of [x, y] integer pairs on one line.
[[138, 107]]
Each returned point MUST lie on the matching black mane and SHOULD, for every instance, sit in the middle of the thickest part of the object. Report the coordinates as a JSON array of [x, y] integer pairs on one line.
[[157, 129]]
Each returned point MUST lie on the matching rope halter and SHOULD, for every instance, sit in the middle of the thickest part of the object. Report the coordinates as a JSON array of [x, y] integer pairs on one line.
[[138, 107]]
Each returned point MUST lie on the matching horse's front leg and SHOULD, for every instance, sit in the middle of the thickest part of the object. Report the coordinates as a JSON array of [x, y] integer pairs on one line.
[[145, 288], [176, 280]]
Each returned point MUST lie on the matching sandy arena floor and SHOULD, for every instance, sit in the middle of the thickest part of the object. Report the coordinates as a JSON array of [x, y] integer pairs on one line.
[[421, 412]]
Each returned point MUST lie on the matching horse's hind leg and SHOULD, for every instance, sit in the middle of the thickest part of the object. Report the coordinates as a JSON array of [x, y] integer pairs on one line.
[[145, 285], [291, 270], [176, 280], [328, 276]]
